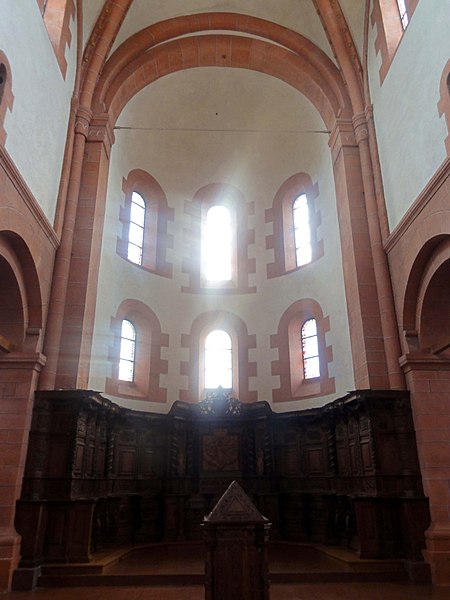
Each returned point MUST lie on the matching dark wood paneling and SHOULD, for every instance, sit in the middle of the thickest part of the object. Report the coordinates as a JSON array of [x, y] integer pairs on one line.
[[98, 475]]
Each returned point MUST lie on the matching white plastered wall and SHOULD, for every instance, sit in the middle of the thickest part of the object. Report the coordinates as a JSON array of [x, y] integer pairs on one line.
[[410, 132], [37, 126], [256, 162]]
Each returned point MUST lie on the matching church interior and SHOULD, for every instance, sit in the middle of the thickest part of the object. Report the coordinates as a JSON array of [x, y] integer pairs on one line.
[[224, 256]]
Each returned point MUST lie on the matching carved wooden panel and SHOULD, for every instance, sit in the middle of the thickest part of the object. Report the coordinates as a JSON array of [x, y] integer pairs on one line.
[[154, 476]]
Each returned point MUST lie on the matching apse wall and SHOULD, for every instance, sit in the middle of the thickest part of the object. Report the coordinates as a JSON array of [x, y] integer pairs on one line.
[[410, 133], [251, 132], [36, 127]]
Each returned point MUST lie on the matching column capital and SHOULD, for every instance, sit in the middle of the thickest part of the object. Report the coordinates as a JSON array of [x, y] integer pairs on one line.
[[342, 135], [360, 126], [100, 130], [82, 120]]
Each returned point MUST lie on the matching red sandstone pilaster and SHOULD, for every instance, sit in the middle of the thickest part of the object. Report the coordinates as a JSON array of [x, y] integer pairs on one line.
[[18, 376], [428, 378]]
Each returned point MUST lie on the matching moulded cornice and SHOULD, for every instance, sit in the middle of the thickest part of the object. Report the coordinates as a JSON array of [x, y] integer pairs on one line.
[[25, 193], [419, 204], [20, 360], [423, 362]]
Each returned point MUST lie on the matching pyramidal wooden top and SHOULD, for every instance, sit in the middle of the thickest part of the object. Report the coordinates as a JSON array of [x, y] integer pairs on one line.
[[235, 507]]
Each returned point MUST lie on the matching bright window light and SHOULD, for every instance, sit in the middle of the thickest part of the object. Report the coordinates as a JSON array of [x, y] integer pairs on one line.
[[310, 349], [218, 360], [217, 243], [136, 230], [403, 13], [127, 351], [302, 234]]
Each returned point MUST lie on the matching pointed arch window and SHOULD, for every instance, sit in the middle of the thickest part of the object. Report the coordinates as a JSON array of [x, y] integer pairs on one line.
[[310, 349], [218, 360], [136, 229], [403, 12], [127, 361], [302, 231], [217, 245]]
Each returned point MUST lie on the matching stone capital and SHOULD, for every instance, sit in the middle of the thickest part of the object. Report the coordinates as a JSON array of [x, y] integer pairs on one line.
[[342, 135], [360, 127]]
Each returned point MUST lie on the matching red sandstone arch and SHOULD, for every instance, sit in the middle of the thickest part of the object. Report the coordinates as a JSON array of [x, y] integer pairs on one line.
[[153, 53], [20, 281], [433, 306], [415, 287]]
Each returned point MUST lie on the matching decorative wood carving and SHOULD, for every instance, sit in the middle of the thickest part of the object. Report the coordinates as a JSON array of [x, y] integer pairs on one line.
[[236, 536], [346, 473]]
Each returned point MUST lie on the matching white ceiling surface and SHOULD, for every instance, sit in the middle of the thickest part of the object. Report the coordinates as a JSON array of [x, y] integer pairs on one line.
[[212, 98], [354, 12], [298, 15]]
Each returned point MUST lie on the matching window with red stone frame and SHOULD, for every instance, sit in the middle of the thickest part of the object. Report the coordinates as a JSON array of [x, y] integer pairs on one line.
[[444, 101], [156, 239], [283, 240], [241, 342], [296, 381], [197, 209], [57, 15], [147, 363], [391, 18], [6, 95]]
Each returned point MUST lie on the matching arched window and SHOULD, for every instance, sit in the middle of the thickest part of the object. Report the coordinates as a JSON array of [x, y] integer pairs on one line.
[[135, 354], [391, 18], [6, 95], [127, 351], [136, 230], [403, 13], [217, 233], [302, 232], [57, 15], [217, 241], [310, 349], [145, 216], [3, 76], [218, 360], [295, 220], [303, 354]]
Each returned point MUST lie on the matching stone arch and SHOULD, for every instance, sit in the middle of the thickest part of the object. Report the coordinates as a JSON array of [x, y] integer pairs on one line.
[[414, 283], [18, 277], [433, 302], [282, 53]]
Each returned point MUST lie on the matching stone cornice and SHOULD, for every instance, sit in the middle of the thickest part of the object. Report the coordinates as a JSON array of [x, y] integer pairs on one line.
[[25, 193], [419, 204], [21, 360]]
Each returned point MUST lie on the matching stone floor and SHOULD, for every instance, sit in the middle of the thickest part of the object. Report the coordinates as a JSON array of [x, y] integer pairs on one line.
[[309, 566], [317, 591]]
